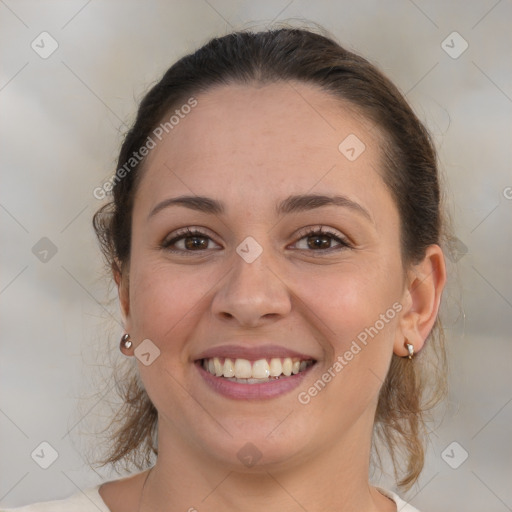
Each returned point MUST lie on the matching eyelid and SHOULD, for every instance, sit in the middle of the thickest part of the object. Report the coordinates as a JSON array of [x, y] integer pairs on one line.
[[190, 231], [324, 230], [182, 233]]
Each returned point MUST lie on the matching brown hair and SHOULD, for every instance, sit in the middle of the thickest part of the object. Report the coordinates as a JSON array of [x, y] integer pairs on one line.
[[410, 172]]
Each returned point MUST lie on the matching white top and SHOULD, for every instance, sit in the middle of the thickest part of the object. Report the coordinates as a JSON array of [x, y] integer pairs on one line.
[[90, 501]]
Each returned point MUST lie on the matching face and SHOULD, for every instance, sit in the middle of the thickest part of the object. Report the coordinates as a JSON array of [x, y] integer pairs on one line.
[[258, 281]]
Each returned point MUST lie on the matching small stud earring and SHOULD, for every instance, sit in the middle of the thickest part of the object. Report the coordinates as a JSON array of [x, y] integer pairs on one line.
[[410, 349], [126, 342]]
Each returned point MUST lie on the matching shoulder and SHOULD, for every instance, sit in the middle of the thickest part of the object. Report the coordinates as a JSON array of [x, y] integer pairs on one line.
[[401, 505], [88, 500]]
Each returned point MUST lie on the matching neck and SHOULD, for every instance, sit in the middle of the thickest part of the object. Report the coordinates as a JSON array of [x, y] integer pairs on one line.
[[335, 479]]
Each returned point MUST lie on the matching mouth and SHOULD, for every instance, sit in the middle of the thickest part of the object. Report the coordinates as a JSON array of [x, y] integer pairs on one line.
[[253, 373], [244, 371]]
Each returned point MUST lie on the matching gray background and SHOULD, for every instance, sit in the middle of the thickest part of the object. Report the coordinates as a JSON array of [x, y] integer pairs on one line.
[[62, 120]]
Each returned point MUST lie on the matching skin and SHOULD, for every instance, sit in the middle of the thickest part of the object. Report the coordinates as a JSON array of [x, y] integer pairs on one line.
[[251, 147]]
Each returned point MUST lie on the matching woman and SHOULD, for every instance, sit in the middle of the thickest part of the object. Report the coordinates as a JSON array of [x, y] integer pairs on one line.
[[274, 235]]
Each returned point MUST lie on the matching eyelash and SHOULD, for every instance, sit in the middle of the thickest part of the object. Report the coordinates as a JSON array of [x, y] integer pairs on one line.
[[305, 233], [322, 231]]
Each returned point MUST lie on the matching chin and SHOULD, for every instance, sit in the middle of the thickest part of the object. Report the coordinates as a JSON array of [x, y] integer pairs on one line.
[[260, 444]]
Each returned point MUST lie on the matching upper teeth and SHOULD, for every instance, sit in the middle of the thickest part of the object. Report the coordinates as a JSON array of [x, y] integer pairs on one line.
[[260, 369]]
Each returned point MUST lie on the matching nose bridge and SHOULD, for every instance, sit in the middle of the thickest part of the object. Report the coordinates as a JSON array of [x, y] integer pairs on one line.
[[252, 290]]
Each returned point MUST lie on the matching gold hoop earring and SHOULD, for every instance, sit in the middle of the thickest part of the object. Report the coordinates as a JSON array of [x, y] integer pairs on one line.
[[126, 342], [410, 350]]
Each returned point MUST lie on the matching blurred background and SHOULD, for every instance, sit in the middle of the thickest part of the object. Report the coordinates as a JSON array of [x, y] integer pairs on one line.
[[71, 76]]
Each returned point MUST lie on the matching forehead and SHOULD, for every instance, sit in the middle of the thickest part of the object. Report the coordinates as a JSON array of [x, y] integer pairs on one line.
[[245, 140]]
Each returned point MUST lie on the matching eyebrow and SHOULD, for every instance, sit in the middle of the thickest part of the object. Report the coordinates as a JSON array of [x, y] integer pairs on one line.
[[306, 202], [292, 204], [198, 203]]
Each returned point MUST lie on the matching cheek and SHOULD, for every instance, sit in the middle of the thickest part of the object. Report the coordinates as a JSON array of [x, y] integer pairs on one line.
[[354, 302], [165, 300], [358, 312]]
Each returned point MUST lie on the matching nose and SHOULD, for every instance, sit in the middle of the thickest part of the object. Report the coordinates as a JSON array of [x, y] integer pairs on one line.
[[252, 294]]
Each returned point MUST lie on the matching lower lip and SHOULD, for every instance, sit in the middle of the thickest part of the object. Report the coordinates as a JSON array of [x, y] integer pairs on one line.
[[261, 391]]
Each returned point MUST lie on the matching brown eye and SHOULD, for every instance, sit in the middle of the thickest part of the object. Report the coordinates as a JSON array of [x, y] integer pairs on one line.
[[188, 241], [321, 240], [195, 242]]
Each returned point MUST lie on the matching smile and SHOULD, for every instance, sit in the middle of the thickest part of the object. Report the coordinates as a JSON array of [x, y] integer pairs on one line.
[[260, 371], [258, 379]]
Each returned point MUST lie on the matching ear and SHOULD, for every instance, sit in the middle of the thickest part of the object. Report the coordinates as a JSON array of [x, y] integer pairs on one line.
[[121, 280], [422, 298]]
